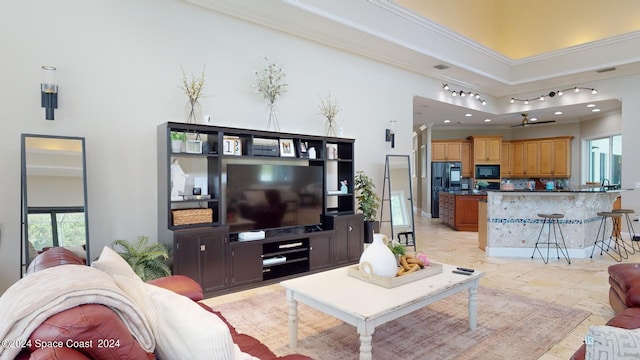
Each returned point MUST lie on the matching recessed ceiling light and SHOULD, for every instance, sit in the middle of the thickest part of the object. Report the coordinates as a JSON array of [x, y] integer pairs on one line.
[[595, 110], [467, 115], [591, 105], [558, 113], [447, 121], [487, 120], [533, 119]]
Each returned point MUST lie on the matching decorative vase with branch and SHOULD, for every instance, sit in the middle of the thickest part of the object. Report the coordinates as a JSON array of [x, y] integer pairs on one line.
[[193, 89], [329, 109], [270, 83]]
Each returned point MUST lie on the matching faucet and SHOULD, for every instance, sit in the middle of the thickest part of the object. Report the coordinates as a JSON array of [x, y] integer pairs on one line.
[[607, 181]]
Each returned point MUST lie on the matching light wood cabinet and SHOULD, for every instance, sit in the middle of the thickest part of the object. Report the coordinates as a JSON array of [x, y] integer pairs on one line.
[[506, 161], [446, 150], [486, 149], [467, 162], [542, 158]]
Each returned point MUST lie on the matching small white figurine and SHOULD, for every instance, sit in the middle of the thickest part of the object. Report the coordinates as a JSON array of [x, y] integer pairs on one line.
[[178, 180]]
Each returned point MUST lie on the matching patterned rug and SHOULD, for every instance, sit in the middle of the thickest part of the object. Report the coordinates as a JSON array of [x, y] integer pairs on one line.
[[510, 326]]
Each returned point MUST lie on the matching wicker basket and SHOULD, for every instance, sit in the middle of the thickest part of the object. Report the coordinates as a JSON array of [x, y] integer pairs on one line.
[[192, 216]]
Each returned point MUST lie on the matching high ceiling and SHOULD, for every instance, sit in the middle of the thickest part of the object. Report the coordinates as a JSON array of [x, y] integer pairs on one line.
[[520, 29], [474, 46]]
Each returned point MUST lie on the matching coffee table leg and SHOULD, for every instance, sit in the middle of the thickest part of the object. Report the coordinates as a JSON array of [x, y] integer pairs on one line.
[[293, 319], [366, 334], [473, 305]]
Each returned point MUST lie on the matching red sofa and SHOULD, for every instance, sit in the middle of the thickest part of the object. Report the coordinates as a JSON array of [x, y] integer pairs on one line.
[[85, 324], [624, 297]]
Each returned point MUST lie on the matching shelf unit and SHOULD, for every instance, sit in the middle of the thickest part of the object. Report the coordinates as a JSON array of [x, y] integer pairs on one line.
[[243, 262]]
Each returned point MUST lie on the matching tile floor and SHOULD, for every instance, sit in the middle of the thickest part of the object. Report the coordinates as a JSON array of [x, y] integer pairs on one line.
[[583, 284]]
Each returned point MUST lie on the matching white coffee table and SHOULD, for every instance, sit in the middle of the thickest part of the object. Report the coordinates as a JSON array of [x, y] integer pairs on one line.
[[366, 305]]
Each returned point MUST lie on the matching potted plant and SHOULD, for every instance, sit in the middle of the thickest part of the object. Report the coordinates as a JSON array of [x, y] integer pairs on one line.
[[177, 139], [147, 260], [368, 203]]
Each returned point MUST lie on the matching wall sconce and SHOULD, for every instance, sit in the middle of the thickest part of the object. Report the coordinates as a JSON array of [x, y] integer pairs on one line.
[[390, 134], [49, 91]]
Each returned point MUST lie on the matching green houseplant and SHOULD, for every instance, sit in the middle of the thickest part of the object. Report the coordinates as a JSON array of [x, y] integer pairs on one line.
[[368, 203], [177, 139], [147, 260]]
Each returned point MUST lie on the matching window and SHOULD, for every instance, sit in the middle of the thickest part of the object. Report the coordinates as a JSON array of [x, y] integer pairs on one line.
[[605, 159], [60, 226]]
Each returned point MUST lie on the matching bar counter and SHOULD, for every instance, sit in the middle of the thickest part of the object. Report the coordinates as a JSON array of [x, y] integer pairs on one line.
[[513, 224]]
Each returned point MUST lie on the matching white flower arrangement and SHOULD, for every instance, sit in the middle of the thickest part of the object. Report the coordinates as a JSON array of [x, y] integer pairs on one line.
[[329, 108], [192, 88], [270, 81]]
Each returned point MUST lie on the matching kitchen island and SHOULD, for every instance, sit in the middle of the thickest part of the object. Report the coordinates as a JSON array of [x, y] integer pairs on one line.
[[459, 209], [513, 224]]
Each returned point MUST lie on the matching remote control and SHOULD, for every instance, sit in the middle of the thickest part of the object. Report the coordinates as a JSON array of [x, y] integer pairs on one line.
[[461, 272], [465, 269]]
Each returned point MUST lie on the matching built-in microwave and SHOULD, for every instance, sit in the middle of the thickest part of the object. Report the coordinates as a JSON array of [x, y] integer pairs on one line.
[[487, 172]]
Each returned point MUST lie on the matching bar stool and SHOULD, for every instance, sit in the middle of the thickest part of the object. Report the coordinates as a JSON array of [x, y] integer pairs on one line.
[[551, 220], [634, 239], [614, 243]]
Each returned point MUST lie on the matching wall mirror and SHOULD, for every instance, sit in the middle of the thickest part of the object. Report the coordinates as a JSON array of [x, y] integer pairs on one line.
[[54, 196], [398, 195]]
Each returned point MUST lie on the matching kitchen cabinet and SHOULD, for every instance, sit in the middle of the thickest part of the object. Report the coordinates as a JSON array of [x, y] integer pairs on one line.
[[554, 157], [465, 156], [486, 149], [446, 150], [506, 161], [542, 158], [466, 212], [460, 211]]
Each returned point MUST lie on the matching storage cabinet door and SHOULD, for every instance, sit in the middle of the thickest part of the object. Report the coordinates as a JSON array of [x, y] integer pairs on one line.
[[246, 263], [467, 162], [356, 239], [341, 227], [214, 271], [320, 252], [186, 260], [562, 158], [349, 231]]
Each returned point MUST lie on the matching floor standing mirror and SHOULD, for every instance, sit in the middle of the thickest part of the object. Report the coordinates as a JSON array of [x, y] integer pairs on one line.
[[397, 198], [54, 196]]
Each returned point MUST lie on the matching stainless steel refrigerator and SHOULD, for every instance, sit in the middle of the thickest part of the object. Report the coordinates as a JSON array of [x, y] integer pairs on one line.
[[445, 176]]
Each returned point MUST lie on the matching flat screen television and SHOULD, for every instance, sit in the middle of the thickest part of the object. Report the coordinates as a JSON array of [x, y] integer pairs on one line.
[[272, 196]]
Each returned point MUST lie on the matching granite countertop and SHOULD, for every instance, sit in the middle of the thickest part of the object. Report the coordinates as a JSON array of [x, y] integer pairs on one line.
[[466, 192], [598, 189]]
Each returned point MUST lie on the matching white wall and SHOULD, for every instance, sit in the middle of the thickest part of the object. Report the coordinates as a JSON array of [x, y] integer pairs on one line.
[[118, 70]]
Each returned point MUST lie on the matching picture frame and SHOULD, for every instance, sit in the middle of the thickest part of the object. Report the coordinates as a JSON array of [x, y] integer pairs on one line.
[[303, 147], [193, 147], [287, 148]]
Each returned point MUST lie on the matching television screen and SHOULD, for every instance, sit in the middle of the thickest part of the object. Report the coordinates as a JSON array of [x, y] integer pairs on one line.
[[266, 196]]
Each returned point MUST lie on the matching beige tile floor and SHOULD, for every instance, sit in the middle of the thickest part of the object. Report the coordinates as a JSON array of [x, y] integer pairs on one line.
[[583, 284]]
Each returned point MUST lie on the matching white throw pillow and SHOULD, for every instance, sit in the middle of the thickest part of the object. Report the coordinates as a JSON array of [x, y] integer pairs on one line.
[[181, 328], [612, 343], [112, 263]]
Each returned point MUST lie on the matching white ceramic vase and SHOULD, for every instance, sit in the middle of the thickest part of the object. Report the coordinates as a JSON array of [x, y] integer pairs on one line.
[[378, 259]]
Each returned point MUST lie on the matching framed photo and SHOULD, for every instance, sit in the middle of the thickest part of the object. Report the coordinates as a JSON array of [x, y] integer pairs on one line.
[[303, 147], [286, 148]]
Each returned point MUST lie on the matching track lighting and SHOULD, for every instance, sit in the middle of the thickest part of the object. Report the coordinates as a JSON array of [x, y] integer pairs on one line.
[[461, 93], [552, 94]]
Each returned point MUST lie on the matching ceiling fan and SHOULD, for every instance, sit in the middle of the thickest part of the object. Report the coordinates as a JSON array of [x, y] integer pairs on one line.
[[526, 122]]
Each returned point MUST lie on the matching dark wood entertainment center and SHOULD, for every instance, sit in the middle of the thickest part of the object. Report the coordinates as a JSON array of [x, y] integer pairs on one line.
[[216, 258]]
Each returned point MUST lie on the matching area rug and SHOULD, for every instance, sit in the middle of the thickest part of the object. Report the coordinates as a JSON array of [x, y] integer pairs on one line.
[[510, 326]]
